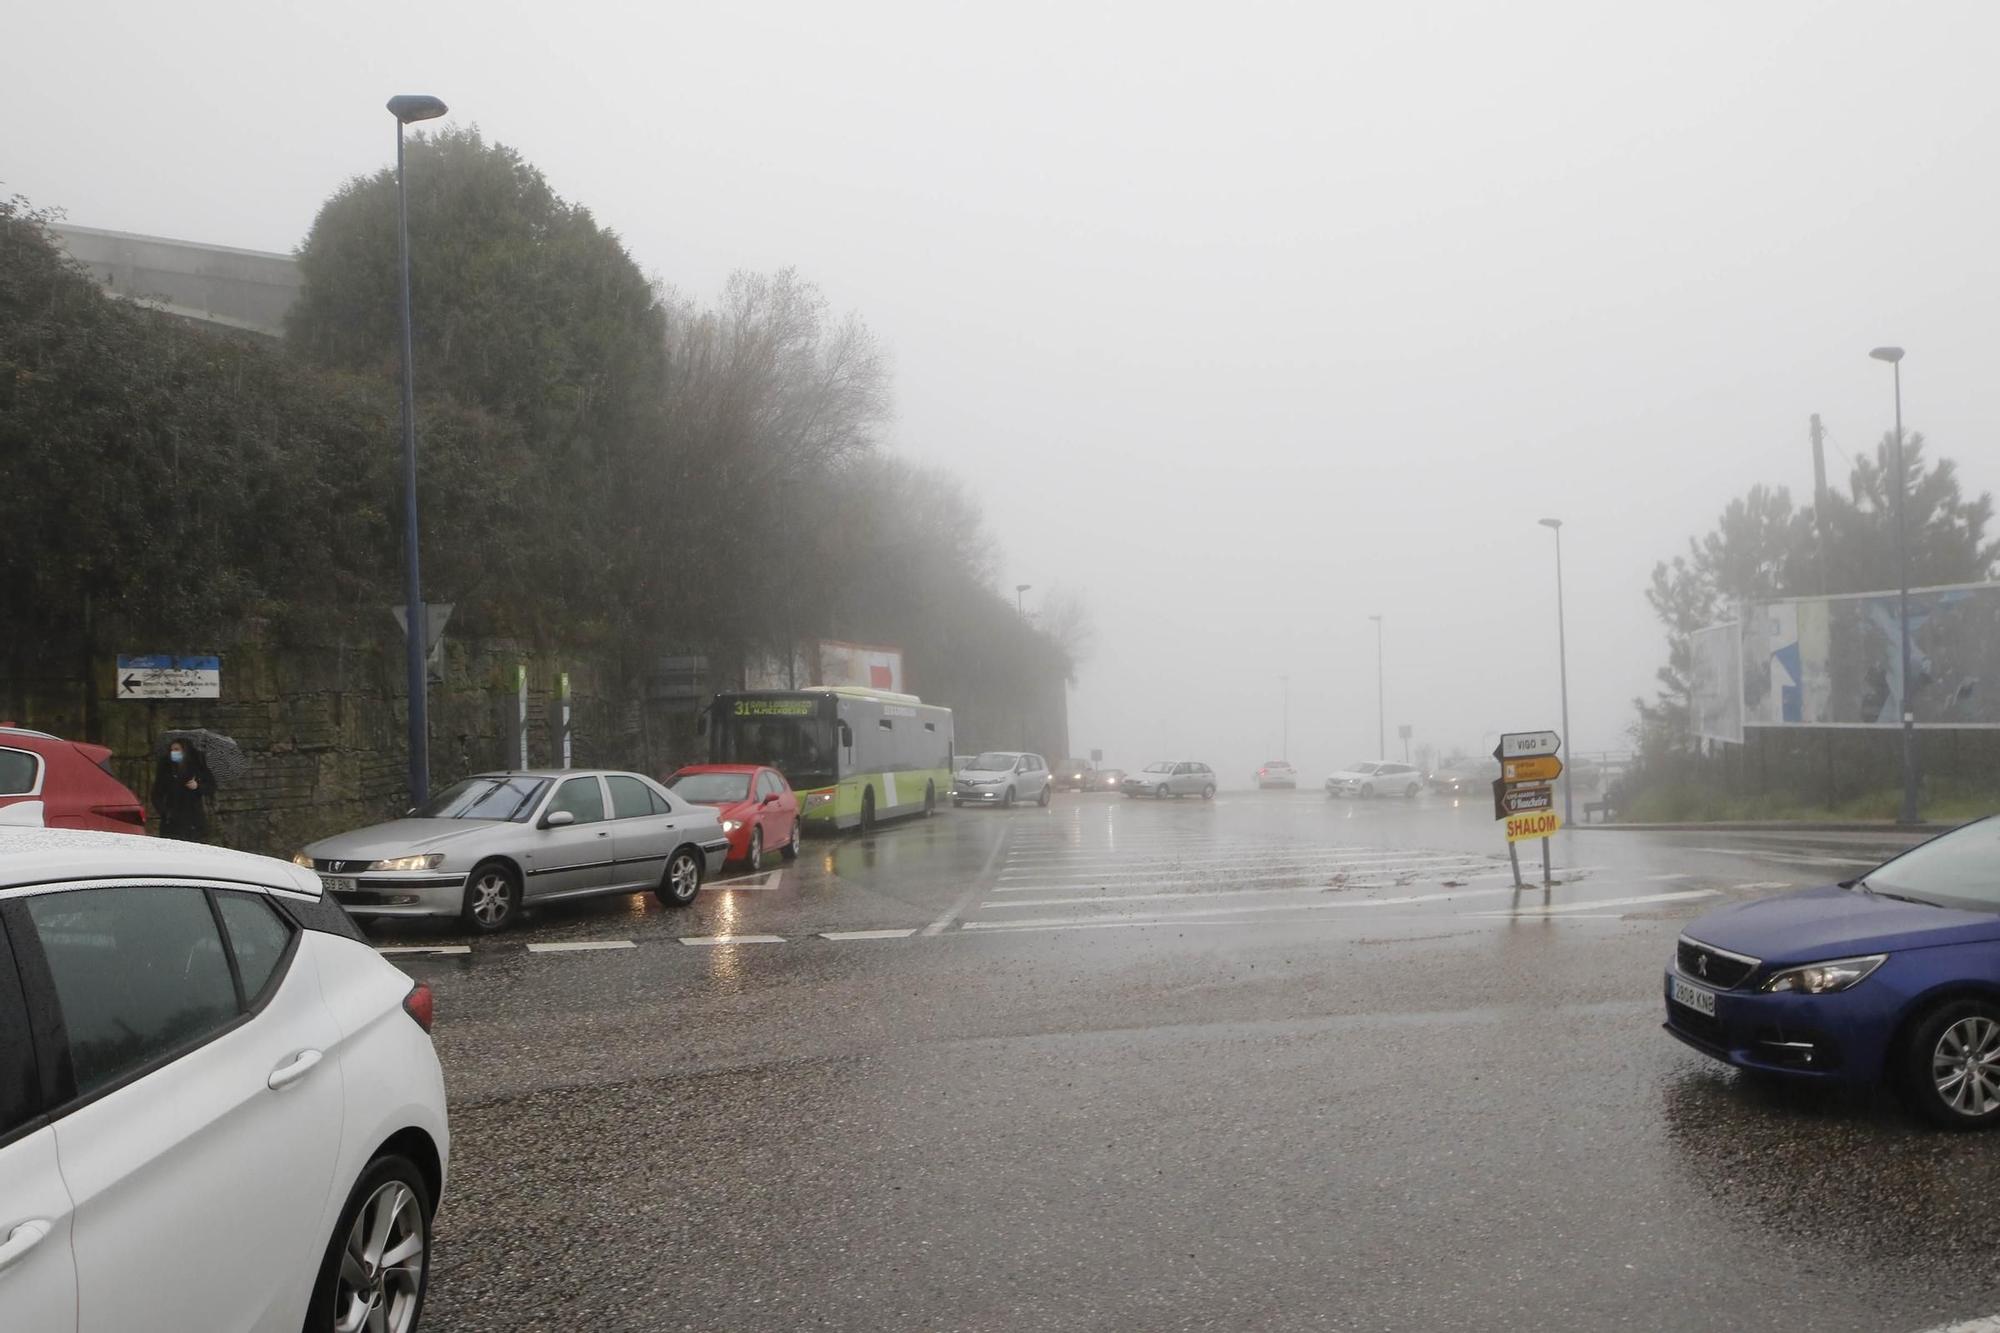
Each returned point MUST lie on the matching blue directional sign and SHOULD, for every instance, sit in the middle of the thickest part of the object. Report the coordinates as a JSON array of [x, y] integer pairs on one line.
[[169, 676]]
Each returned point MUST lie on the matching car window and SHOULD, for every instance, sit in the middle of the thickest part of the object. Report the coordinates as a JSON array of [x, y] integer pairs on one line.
[[17, 772], [138, 973], [20, 1097], [630, 798], [581, 797], [257, 935], [770, 784], [661, 806]]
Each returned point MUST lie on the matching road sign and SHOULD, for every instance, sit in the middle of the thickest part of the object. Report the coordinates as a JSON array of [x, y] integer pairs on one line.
[[1526, 745], [166, 676], [1542, 768], [1523, 828], [1521, 798]]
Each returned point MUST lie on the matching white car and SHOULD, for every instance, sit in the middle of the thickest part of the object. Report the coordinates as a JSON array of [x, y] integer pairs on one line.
[[1376, 777], [219, 1107], [1002, 777]]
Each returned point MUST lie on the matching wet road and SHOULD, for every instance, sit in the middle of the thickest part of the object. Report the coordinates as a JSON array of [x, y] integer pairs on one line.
[[1266, 1062]]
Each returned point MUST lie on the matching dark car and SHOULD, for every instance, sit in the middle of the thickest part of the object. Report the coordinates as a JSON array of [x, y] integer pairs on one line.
[[1074, 775], [1464, 780], [48, 782], [1893, 977]]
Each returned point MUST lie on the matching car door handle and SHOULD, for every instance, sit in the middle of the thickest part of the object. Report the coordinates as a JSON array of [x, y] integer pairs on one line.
[[24, 1238], [287, 1074]]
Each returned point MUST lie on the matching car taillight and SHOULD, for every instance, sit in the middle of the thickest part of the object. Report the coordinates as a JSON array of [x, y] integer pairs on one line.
[[125, 814], [421, 1005]]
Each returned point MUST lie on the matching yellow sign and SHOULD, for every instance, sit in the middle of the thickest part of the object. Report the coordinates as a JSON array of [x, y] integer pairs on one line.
[[774, 707], [1524, 828], [1542, 768]]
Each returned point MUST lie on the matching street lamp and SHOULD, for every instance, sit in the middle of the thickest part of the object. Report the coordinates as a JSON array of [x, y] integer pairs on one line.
[[1894, 356], [407, 108], [1555, 525], [1381, 730], [1020, 608], [1285, 720]]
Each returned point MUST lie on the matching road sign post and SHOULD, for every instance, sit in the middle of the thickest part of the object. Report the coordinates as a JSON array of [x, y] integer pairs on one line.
[[1524, 794]]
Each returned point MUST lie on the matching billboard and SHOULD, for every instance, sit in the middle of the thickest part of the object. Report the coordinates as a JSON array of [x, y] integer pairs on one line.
[[1715, 678], [1837, 662], [828, 662]]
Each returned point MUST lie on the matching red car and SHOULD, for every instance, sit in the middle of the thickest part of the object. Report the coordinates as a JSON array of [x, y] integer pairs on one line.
[[48, 782], [755, 804]]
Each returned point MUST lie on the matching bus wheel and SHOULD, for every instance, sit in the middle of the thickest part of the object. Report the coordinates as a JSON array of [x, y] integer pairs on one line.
[[868, 810], [930, 799]]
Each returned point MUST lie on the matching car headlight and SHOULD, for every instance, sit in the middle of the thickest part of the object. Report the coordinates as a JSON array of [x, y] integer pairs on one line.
[[301, 859], [428, 861], [731, 825], [1825, 978]]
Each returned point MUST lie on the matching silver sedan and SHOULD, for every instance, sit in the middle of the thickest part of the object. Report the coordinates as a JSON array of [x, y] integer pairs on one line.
[[484, 848]]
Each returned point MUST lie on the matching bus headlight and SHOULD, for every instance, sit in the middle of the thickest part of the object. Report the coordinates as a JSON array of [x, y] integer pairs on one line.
[[820, 798]]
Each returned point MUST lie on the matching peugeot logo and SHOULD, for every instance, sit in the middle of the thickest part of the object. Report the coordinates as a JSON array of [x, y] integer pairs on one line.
[[1701, 963]]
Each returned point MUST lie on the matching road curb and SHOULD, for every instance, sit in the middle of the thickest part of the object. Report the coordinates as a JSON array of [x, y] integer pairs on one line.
[[1768, 826]]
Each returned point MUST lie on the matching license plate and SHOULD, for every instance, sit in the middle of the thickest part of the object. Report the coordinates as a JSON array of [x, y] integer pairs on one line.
[[1694, 997], [337, 883]]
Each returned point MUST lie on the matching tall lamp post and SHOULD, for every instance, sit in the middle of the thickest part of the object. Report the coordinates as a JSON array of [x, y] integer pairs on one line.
[[1894, 356], [1381, 730], [408, 108], [1021, 607], [1285, 720], [1555, 525]]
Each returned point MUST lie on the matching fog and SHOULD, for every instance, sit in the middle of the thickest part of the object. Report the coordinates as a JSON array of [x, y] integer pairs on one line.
[[1243, 322]]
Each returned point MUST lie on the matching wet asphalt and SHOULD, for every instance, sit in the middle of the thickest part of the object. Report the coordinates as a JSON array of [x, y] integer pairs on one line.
[[1269, 1062]]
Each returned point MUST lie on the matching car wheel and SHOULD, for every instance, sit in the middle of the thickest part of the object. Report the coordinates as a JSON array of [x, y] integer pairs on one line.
[[1043, 799], [1368, 793], [1951, 1069], [868, 810], [755, 860], [377, 1264], [791, 849], [1208, 792], [958, 805], [1411, 794], [1160, 792], [1007, 801], [681, 883], [492, 898], [930, 799]]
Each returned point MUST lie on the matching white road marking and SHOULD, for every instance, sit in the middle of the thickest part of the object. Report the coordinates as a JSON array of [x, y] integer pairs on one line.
[[1790, 858], [1248, 874], [732, 939], [1600, 904], [1990, 1324], [971, 895], [1309, 879], [392, 950], [1299, 855], [580, 946], [1322, 906], [1762, 884], [771, 879], [1664, 878], [868, 934]]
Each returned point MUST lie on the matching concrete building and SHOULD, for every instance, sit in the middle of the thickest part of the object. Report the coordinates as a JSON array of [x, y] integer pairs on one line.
[[248, 290]]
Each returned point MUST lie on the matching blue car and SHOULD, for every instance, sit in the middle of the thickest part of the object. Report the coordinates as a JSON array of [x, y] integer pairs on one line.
[[1893, 977]]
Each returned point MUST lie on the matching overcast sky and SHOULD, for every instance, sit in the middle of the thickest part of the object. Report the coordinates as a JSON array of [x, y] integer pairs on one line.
[[1244, 321]]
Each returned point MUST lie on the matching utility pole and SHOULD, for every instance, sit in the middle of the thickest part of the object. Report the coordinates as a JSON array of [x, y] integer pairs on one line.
[[1381, 714], [1285, 726], [1819, 498]]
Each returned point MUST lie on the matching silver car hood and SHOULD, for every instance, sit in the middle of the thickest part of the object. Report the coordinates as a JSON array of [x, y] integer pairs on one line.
[[405, 837]]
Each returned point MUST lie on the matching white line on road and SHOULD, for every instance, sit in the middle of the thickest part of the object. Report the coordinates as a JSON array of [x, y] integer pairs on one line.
[[1599, 904], [1789, 858], [732, 939], [771, 879], [1197, 895], [1762, 884], [1300, 856], [424, 948], [580, 946], [868, 934], [1664, 878], [1990, 1324], [979, 886]]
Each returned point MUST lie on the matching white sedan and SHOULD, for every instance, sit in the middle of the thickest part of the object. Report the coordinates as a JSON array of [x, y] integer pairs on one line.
[[1376, 777], [219, 1107]]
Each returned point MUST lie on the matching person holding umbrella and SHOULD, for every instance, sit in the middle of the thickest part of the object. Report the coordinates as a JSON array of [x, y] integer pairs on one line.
[[181, 786]]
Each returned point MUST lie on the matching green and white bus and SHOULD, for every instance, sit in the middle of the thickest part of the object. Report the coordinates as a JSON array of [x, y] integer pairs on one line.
[[853, 755]]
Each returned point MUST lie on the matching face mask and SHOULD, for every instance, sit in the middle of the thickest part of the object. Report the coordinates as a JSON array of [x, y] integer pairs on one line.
[[176, 756]]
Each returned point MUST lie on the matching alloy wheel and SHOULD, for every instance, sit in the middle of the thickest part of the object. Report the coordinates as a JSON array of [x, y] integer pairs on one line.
[[382, 1264], [756, 849], [683, 878], [491, 898], [1965, 1066]]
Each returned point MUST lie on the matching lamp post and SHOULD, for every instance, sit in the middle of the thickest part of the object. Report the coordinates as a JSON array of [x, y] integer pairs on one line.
[[1285, 719], [1894, 356], [1381, 729], [1020, 607], [407, 108], [1555, 525]]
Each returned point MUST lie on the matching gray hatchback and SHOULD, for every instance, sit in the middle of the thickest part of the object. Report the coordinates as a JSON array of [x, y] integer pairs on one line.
[[483, 848]]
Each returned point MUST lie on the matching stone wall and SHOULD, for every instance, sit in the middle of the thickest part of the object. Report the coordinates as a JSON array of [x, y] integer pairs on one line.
[[323, 726]]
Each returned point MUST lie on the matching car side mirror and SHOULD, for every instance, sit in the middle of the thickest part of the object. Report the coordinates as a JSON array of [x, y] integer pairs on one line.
[[771, 799], [559, 819]]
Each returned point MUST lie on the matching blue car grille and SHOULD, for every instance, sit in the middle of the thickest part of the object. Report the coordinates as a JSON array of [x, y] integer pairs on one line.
[[1712, 965]]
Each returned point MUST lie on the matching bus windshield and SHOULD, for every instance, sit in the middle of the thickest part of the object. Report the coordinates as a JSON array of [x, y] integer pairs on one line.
[[798, 744]]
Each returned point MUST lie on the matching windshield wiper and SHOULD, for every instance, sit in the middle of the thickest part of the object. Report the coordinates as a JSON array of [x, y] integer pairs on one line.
[[1861, 883]]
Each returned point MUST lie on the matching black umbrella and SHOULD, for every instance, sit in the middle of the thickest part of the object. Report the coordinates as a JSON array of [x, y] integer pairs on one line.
[[223, 756]]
